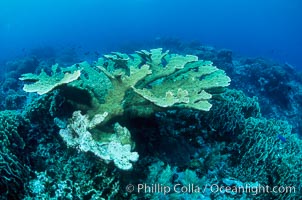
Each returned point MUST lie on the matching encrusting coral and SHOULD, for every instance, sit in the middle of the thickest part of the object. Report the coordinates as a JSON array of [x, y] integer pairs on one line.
[[118, 84]]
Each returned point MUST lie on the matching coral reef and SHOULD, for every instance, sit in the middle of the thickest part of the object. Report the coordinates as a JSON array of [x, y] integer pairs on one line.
[[154, 121], [13, 171], [162, 79], [271, 148]]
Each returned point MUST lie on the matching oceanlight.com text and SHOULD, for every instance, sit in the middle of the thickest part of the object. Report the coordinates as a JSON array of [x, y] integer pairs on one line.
[[214, 188]]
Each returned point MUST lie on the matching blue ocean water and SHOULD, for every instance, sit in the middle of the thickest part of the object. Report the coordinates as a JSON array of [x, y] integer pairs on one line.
[[270, 28]]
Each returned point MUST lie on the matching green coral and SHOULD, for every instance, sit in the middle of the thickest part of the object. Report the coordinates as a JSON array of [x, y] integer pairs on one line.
[[121, 85], [91, 80], [185, 86], [163, 80], [44, 83]]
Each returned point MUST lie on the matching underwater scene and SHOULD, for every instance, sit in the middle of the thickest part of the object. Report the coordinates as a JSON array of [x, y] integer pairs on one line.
[[150, 99]]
